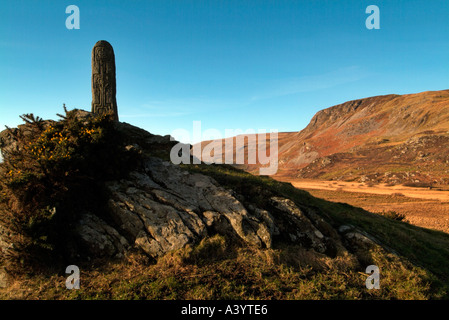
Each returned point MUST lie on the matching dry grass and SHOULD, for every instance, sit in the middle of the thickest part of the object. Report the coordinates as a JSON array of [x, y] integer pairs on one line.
[[432, 214], [235, 273]]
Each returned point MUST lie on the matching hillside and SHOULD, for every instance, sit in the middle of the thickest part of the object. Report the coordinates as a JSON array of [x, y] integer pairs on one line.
[[103, 195], [390, 139]]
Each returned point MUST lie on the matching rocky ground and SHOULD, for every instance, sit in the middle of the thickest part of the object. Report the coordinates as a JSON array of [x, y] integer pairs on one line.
[[420, 161], [161, 207], [164, 208]]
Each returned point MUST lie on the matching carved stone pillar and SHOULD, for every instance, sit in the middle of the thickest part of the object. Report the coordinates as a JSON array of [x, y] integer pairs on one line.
[[103, 79]]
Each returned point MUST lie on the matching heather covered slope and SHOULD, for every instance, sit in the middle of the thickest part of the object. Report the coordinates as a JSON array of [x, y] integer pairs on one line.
[[391, 138]]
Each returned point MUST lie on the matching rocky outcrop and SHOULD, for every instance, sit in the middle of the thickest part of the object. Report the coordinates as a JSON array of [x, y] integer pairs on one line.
[[163, 208], [160, 207]]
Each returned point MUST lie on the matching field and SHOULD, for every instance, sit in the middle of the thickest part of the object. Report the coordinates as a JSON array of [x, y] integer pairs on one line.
[[423, 207]]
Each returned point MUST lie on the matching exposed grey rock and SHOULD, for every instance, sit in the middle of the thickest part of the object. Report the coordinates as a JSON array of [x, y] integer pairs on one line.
[[345, 228], [82, 115], [304, 230], [167, 208], [100, 237], [163, 208], [358, 240]]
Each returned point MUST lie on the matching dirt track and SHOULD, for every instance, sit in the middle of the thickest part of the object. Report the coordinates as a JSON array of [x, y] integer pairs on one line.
[[422, 207], [410, 192]]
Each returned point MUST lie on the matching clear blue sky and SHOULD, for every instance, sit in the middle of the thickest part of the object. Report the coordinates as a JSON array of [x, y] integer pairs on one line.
[[230, 64]]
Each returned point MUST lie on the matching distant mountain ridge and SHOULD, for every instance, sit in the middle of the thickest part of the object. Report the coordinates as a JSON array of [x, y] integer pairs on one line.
[[362, 138]]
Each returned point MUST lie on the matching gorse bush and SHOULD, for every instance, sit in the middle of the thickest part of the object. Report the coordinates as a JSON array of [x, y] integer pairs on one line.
[[51, 173]]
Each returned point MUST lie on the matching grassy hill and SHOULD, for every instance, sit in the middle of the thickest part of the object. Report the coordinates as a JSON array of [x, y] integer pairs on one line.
[[412, 261]]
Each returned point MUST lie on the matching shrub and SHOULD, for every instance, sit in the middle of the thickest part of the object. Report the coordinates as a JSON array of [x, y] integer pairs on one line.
[[418, 184], [393, 215], [51, 173]]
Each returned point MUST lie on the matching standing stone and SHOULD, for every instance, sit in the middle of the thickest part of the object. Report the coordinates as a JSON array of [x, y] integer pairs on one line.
[[103, 79]]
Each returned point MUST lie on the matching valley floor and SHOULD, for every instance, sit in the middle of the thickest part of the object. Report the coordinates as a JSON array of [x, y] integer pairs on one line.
[[428, 208]]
